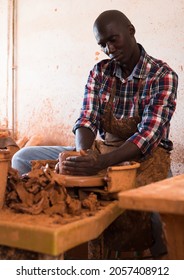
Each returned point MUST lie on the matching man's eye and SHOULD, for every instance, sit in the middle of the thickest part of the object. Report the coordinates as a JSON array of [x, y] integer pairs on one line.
[[113, 40], [102, 46]]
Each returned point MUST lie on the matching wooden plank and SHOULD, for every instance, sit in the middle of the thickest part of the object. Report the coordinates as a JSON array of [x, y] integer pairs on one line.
[[166, 196]]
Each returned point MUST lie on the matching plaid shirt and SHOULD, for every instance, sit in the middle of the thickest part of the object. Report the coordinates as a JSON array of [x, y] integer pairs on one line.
[[156, 84]]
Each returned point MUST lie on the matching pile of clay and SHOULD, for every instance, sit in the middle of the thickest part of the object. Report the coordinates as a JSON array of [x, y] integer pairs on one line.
[[42, 190]]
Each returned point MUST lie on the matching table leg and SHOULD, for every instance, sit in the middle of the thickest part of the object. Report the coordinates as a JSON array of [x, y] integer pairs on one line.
[[174, 231], [11, 253], [96, 248]]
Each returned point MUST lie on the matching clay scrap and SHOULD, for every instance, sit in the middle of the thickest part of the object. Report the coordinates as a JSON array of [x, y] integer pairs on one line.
[[42, 190]]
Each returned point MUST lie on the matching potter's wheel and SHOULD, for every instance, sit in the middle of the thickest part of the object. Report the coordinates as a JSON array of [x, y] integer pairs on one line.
[[85, 181]]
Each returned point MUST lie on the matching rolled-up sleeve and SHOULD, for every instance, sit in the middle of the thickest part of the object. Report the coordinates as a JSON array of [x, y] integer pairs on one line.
[[90, 111], [157, 112]]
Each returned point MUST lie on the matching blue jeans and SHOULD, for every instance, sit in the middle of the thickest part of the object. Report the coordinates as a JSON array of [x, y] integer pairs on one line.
[[21, 159]]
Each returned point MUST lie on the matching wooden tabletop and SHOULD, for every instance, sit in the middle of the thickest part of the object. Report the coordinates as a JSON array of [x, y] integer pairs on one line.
[[50, 237], [165, 196]]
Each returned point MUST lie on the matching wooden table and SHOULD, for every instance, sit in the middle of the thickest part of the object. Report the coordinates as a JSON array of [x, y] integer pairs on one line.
[[166, 197], [52, 239]]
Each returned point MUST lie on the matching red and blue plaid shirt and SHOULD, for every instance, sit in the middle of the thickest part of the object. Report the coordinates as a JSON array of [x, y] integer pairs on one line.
[[156, 84]]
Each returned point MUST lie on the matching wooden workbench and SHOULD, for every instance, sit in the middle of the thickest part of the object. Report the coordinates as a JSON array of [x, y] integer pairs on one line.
[[52, 239], [166, 197]]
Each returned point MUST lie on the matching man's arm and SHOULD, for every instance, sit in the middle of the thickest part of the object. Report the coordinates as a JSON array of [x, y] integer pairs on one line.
[[92, 163], [126, 152], [84, 138]]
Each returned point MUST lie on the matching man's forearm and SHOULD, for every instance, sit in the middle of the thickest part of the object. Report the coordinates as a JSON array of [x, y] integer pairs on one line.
[[84, 138], [127, 152]]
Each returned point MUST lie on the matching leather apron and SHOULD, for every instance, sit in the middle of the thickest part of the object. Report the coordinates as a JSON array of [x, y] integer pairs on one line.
[[153, 167], [132, 230]]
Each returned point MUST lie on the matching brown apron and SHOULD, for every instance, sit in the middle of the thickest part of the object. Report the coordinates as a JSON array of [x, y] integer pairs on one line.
[[132, 230]]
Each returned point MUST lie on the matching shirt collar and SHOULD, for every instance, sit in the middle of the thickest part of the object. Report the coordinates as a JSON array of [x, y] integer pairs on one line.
[[139, 71]]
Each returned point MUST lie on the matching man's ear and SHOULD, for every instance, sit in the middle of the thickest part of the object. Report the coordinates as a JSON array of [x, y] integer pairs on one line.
[[131, 30]]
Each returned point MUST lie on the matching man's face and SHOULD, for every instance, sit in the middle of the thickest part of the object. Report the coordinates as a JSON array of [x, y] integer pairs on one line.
[[116, 41]]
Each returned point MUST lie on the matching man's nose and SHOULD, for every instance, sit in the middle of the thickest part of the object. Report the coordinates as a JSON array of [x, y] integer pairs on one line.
[[110, 48]]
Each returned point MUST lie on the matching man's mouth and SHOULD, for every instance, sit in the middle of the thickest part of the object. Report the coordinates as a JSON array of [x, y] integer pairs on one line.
[[115, 57]]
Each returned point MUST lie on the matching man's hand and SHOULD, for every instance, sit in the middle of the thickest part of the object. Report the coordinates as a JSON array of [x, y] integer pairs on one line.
[[88, 163]]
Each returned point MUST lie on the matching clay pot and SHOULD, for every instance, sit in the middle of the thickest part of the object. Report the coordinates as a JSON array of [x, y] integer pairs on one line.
[[63, 156]]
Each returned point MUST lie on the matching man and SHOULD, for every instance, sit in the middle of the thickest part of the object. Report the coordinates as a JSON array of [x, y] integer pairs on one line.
[[129, 99]]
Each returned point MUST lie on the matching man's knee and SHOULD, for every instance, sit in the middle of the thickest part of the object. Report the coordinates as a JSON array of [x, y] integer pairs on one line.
[[21, 154], [21, 160]]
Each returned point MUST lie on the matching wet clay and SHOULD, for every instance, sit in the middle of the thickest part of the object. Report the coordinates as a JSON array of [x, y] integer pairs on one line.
[[43, 191]]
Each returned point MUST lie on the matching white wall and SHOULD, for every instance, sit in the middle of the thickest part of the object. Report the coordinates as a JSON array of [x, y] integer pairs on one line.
[[3, 61], [56, 49]]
